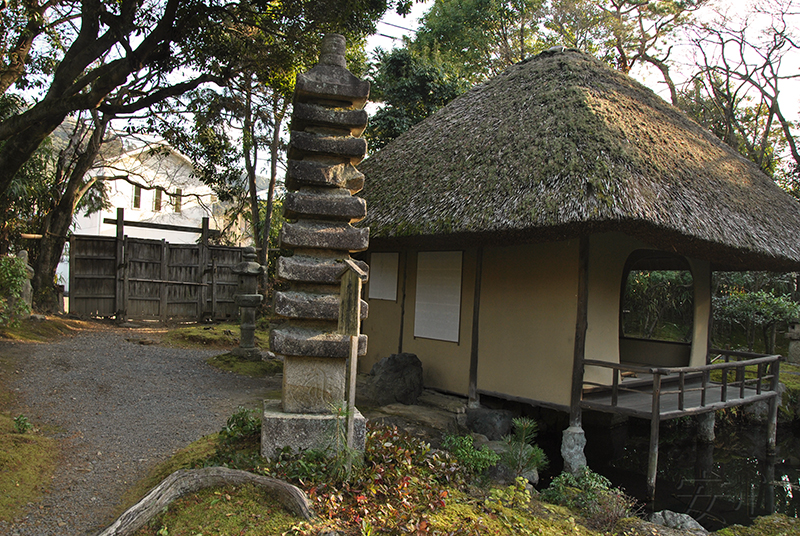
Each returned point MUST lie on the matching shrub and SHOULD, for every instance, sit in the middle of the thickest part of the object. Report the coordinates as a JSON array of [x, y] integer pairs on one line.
[[13, 275], [473, 460], [593, 495], [521, 455], [241, 427], [22, 425]]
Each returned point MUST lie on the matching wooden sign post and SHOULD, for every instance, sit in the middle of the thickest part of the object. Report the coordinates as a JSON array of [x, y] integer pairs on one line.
[[350, 324]]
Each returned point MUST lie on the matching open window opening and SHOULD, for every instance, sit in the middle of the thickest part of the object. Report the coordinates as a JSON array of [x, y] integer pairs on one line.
[[657, 309]]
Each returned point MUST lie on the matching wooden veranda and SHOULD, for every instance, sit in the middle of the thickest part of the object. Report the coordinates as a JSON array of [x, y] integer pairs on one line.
[[730, 378]]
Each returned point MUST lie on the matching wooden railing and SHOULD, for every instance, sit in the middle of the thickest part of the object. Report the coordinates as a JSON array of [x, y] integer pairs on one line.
[[764, 371]]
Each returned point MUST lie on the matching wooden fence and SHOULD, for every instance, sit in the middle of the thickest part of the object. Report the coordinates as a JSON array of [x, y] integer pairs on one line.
[[138, 279]]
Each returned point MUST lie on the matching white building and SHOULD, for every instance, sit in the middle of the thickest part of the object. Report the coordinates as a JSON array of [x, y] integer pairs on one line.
[[153, 183]]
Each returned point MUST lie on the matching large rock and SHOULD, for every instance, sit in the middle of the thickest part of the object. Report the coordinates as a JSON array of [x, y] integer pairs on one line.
[[493, 423], [397, 378], [675, 520]]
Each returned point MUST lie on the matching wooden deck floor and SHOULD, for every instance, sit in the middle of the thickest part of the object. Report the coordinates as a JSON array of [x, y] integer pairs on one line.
[[635, 398]]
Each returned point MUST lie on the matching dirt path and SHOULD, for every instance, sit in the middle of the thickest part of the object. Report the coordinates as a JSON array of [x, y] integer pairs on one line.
[[117, 407]]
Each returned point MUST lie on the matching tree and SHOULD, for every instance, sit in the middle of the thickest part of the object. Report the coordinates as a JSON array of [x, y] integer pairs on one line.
[[130, 55], [742, 71], [411, 87], [484, 37], [22, 22]]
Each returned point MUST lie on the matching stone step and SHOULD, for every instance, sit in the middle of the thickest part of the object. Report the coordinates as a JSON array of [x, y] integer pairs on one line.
[[296, 341], [335, 236], [312, 115], [304, 144], [306, 305], [309, 173], [324, 207], [313, 270]]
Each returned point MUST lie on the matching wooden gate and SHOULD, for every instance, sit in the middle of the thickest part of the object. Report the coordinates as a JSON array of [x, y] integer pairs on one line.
[[138, 279]]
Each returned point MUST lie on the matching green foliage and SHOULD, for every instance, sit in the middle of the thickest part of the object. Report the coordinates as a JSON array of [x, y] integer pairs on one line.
[[473, 460], [400, 483], [521, 455], [243, 426], [593, 495], [657, 304], [22, 425], [13, 275], [517, 495], [411, 86]]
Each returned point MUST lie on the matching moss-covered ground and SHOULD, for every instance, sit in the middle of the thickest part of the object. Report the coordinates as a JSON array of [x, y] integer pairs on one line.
[[27, 458], [223, 336]]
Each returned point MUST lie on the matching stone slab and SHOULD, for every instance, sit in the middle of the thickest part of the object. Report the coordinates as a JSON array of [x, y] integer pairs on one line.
[[452, 404], [301, 173], [303, 144], [331, 83], [298, 341], [324, 207], [312, 384], [294, 304], [307, 115], [335, 236], [305, 269], [301, 432]]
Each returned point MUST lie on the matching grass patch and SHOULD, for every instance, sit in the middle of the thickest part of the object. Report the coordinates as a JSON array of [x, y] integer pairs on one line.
[[216, 336], [27, 461], [190, 456], [54, 327], [239, 365], [230, 510]]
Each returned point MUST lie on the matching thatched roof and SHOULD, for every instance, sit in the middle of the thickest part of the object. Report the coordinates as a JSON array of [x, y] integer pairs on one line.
[[561, 145]]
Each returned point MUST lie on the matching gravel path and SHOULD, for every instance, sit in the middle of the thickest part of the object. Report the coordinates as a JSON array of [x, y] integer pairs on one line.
[[118, 408]]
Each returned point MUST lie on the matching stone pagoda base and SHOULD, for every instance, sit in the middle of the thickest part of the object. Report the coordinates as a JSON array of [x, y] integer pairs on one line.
[[301, 431]]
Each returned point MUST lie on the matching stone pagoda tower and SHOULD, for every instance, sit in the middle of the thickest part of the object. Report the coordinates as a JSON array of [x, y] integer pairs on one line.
[[327, 120]]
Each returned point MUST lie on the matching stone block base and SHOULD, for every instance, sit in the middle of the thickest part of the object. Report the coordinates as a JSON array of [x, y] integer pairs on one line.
[[301, 431], [249, 354]]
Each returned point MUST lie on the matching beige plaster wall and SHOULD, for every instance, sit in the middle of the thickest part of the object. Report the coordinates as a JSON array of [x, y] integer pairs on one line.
[[445, 364], [382, 326], [527, 320], [607, 255]]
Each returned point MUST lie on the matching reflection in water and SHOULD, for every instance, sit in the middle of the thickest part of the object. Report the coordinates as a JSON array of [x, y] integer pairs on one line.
[[730, 482]]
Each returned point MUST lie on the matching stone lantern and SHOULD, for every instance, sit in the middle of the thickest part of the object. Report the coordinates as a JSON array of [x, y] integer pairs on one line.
[[248, 299]]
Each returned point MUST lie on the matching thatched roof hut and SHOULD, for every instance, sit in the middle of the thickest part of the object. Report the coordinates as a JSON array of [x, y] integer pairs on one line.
[[561, 145]]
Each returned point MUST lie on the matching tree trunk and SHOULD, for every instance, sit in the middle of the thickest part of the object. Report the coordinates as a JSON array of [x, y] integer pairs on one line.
[[57, 223], [187, 481]]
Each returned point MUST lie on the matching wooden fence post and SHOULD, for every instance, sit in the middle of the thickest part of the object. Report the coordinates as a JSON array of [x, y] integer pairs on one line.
[[202, 293], [120, 307], [162, 310]]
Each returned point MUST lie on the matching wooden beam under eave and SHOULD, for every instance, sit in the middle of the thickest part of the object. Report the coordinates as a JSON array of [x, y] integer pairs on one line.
[[476, 308], [581, 324]]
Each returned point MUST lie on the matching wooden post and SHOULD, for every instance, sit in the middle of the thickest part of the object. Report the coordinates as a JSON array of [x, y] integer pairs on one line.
[[581, 325], [126, 290], [655, 420], [350, 324], [119, 292], [202, 261], [774, 402], [162, 310], [476, 308]]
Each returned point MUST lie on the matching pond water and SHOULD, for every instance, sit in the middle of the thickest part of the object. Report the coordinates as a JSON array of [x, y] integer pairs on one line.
[[730, 482]]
